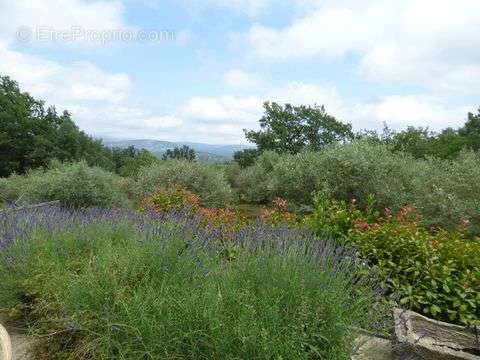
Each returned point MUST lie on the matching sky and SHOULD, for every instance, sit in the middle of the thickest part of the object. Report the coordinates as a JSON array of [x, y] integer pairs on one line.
[[200, 70]]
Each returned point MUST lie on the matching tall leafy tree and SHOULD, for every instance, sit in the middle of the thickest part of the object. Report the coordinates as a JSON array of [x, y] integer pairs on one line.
[[128, 161], [292, 129], [181, 153], [471, 131], [246, 157], [19, 113], [32, 136]]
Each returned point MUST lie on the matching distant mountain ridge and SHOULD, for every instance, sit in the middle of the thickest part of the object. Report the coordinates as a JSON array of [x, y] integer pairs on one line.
[[205, 152]]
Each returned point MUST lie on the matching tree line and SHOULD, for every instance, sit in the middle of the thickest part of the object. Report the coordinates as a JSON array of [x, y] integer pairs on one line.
[[293, 129], [32, 135]]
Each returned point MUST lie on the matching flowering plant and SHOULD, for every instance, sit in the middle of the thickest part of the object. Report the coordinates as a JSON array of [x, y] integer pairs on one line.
[[172, 199], [436, 272], [278, 213]]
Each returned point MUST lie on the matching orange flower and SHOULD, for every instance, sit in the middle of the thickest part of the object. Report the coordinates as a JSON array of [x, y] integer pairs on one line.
[[280, 203], [361, 224]]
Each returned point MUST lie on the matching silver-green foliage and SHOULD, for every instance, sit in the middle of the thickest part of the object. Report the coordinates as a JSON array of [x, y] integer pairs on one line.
[[202, 179], [444, 191], [74, 185]]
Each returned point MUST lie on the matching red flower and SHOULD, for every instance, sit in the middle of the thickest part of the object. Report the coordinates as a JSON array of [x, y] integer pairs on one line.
[[464, 222]]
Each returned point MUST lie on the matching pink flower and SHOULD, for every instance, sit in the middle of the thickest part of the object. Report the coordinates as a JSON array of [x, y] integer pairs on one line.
[[464, 222]]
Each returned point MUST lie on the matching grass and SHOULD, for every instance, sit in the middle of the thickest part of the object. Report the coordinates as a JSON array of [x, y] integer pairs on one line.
[[126, 289]]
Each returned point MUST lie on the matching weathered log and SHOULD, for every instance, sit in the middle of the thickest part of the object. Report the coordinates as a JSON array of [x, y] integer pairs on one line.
[[34, 206], [436, 340]]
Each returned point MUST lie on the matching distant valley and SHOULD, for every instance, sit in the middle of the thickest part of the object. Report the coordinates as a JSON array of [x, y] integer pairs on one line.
[[205, 152]]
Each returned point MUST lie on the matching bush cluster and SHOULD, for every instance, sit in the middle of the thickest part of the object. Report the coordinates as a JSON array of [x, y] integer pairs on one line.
[[224, 221], [202, 179], [171, 199], [75, 185], [443, 191], [437, 274]]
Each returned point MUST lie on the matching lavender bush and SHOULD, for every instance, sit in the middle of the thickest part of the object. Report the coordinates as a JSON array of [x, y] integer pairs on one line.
[[119, 284]]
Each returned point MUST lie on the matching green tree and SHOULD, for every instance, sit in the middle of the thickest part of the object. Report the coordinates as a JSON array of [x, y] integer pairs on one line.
[[471, 131], [417, 141], [246, 157], [128, 161], [18, 126], [185, 152], [292, 129], [31, 135]]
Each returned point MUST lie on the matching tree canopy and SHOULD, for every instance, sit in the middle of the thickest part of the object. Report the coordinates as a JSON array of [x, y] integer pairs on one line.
[[421, 142], [292, 129], [180, 153], [32, 135]]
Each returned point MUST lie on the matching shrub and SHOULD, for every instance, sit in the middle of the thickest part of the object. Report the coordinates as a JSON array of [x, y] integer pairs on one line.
[[278, 213], [449, 191], [224, 222], [443, 191], [74, 185], [437, 274], [119, 286], [202, 179], [172, 199], [254, 182]]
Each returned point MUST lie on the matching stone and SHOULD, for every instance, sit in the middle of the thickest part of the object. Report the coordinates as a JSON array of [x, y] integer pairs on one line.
[[372, 348], [5, 345], [435, 340]]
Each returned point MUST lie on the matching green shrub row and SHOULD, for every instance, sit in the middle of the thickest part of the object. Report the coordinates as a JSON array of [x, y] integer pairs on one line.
[[74, 185], [78, 185], [204, 180], [443, 191]]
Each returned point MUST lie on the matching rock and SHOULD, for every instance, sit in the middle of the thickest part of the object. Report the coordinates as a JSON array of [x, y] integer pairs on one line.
[[435, 340], [372, 348], [21, 347], [14, 346], [5, 345]]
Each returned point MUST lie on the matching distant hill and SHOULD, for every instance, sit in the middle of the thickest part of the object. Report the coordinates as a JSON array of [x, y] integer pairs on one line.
[[205, 152]]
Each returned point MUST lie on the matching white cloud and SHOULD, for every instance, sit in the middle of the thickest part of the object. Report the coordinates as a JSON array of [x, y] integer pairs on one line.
[[126, 121], [222, 118], [397, 42], [298, 93], [398, 112], [79, 81], [226, 108], [239, 79], [60, 15], [98, 102], [425, 42]]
